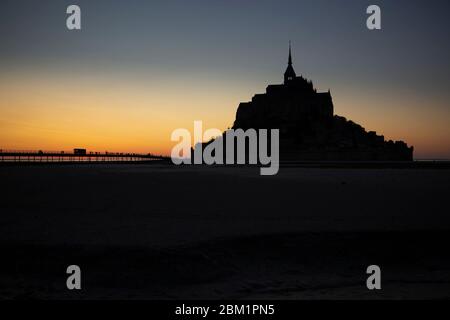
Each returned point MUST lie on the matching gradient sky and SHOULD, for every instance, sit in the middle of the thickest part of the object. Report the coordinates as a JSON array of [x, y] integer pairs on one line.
[[140, 69]]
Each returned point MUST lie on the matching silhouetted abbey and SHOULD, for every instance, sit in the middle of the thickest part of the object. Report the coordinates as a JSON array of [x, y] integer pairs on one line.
[[309, 130]]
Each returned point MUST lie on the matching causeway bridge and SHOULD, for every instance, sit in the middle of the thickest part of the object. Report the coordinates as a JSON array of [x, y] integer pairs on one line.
[[75, 156]]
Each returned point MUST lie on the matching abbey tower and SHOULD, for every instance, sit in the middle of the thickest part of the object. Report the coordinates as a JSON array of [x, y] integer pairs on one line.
[[309, 130]]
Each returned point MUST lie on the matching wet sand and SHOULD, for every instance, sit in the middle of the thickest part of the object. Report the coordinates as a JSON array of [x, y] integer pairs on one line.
[[165, 232]]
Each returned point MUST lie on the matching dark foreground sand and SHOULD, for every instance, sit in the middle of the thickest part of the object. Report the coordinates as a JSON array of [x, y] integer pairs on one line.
[[163, 232]]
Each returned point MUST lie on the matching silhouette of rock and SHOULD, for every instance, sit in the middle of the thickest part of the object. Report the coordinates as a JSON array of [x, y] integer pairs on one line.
[[309, 130]]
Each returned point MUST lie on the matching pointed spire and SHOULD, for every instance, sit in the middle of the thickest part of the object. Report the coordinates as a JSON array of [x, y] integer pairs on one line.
[[290, 56], [289, 74]]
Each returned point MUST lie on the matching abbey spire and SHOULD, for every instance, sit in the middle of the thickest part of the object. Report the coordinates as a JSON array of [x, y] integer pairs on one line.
[[289, 74], [290, 56]]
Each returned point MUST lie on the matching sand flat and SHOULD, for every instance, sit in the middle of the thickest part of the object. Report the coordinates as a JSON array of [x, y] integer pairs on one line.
[[155, 231]]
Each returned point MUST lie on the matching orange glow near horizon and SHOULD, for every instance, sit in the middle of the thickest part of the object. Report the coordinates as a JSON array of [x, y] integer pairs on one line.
[[103, 115], [51, 112]]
